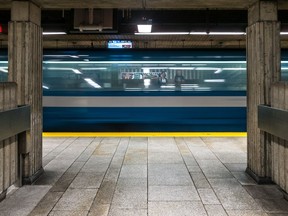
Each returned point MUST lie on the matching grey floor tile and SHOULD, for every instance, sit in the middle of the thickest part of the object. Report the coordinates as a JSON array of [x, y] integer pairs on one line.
[[244, 178], [99, 210], [167, 169], [87, 180], [135, 197], [236, 199], [111, 140], [176, 208], [236, 167], [68, 213], [194, 142], [168, 174], [75, 167], [208, 196], [126, 183], [112, 174], [49, 177], [165, 166], [226, 183], [47, 159], [215, 210], [162, 158], [202, 153], [264, 191], [23, 201], [278, 214], [136, 157], [95, 167], [189, 160], [194, 168], [63, 183], [232, 157], [76, 200], [105, 149], [163, 180], [105, 193], [116, 211], [274, 205], [212, 174], [246, 213], [133, 171], [200, 180], [172, 193], [46, 204]]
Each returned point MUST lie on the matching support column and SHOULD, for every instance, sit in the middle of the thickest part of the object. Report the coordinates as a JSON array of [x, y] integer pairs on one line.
[[263, 68], [25, 68]]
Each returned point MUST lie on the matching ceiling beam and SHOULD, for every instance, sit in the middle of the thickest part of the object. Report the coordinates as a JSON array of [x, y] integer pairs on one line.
[[152, 4]]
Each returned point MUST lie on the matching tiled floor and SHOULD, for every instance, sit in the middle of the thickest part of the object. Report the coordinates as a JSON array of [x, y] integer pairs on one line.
[[145, 176]]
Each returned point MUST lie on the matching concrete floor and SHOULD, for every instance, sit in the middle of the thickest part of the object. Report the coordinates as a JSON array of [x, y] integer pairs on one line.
[[145, 176]]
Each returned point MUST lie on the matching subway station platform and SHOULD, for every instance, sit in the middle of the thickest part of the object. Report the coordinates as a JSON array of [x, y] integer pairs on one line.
[[155, 176]]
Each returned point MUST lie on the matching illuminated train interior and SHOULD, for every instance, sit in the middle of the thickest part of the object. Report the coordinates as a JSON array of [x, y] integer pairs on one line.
[[144, 90]]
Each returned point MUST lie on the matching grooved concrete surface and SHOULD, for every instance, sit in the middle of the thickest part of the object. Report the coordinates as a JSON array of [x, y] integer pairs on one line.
[[145, 176]]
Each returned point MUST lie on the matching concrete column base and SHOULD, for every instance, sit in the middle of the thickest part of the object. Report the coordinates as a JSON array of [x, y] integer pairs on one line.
[[31, 179], [258, 179], [3, 195]]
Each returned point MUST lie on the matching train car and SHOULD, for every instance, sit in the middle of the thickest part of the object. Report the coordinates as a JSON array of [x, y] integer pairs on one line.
[[142, 90]]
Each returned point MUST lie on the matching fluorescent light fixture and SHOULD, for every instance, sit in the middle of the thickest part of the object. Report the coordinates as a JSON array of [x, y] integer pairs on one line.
[[45, 87], [54, 33], [76, 71], [206, 68], [188, 86], [4, 69], [218, 71], [198, 33], [168, 86], [94, 68], [146, 70], [162, 33], [234, 68], [156, 68], [92, 83], [214, 80], [132, 89], [144, 28], [227, 33], [217, 33], [181, 68], [203, 89]]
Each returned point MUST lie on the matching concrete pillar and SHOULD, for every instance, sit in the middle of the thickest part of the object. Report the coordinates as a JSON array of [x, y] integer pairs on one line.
[[263, 68], [25, 68]]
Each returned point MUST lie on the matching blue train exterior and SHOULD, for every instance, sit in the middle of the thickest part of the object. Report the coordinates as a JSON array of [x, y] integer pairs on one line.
[[123, 103], [122, 90]]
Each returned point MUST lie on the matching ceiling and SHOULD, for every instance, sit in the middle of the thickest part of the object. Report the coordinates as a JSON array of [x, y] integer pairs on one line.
[[124, 22], [155, 4]]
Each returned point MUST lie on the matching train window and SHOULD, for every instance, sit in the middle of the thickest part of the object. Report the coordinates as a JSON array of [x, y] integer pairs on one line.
[[148, 75], [3, 71], [284, 70], [167, 71]]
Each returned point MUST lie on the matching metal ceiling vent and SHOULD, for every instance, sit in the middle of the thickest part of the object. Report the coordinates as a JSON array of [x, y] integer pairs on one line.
[[93, 19]]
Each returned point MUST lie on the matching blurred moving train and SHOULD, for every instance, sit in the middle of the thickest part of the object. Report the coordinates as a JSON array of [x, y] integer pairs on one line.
[[134, 90]]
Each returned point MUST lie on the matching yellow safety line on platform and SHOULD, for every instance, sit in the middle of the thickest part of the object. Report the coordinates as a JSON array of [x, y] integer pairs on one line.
[[144, 134]]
